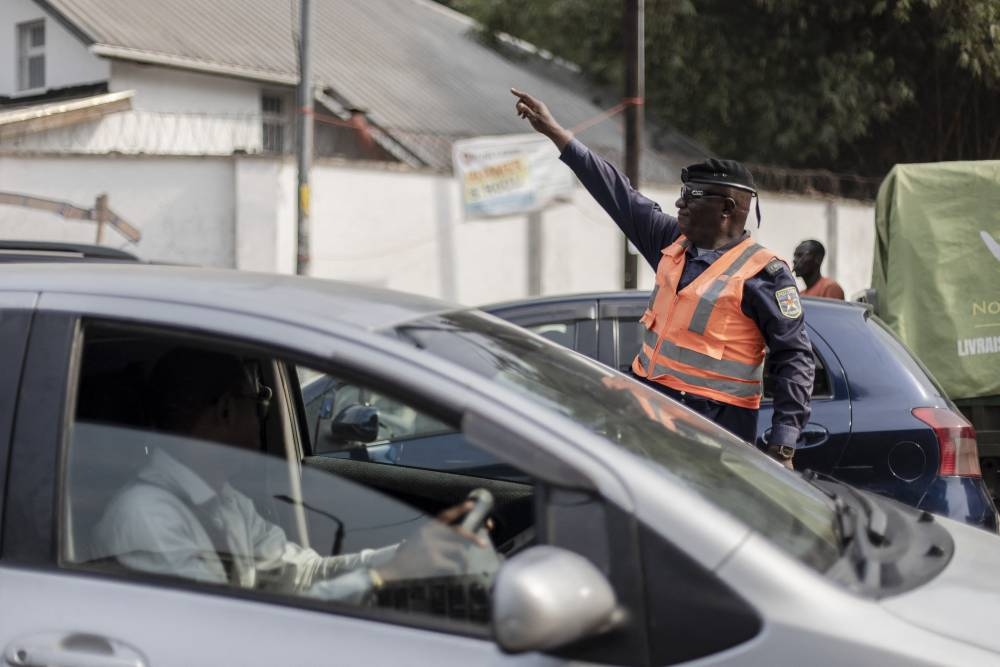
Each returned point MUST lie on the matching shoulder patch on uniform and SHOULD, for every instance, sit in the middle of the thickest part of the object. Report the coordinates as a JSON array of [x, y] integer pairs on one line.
[[788, 302], [774, 267]]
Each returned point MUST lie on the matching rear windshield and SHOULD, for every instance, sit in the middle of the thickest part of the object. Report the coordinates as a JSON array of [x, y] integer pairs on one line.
[[920, 374]]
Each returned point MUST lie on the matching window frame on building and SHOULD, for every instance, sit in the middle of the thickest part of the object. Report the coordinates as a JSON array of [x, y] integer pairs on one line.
[[273, 122], [28, 52]]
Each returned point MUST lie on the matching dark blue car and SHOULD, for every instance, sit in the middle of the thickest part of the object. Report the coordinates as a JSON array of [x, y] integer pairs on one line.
[[879, 419]]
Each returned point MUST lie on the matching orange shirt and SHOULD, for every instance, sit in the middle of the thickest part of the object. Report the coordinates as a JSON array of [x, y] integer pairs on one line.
[[826, 288]]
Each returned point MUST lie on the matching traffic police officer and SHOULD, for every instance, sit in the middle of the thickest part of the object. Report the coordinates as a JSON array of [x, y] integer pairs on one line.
[[719, 300]]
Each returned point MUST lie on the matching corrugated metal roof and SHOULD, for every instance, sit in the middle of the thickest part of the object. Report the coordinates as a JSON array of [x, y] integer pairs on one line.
[[415, 67]]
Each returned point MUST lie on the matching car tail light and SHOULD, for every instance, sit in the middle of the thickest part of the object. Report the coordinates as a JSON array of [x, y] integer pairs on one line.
[[956, 439]]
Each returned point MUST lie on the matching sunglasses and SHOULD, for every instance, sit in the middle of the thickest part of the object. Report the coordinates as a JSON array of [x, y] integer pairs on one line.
[[688, 193]]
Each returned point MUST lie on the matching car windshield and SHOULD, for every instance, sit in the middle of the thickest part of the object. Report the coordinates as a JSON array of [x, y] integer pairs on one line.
[[790, 512]]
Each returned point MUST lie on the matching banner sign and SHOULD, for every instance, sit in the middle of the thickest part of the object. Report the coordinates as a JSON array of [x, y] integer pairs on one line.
[[937, 269], [508, 175]]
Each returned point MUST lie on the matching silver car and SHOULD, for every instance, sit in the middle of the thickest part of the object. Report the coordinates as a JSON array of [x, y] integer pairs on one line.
[[623, 528]]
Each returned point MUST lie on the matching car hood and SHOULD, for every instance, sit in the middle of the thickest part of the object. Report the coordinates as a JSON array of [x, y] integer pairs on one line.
[[963, 601]]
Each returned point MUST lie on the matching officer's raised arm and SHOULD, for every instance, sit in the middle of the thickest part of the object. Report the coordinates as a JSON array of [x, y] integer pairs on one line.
[[640, 218]]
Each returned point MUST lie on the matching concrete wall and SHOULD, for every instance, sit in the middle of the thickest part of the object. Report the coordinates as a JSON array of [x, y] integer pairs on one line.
[[405, 231], [265, 215], [184, 207], [67, 60], [379, 225], [855, 250]]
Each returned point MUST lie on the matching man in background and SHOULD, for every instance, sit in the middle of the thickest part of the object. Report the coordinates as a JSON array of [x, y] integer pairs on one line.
[[806, 262]]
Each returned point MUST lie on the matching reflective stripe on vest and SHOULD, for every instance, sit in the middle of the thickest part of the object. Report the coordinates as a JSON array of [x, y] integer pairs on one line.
[[699, 321], [669, 350], [733, 369], [731, 387]]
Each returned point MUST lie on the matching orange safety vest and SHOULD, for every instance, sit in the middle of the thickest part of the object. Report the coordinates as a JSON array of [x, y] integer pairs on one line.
[[698, 340]]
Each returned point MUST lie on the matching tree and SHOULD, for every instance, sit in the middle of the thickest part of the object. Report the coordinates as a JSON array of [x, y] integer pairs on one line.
[[853, 85]]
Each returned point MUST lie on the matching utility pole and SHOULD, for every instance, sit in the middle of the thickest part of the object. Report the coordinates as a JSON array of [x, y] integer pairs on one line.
[[535, 253], [635, 95], [304, 143], [102, 215]]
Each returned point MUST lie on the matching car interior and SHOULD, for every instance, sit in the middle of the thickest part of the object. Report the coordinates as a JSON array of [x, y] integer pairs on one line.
[[333, 503]]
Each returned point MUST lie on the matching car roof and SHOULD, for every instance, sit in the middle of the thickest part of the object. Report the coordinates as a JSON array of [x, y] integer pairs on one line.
[[817, 306], [623, 295], [264, 294]]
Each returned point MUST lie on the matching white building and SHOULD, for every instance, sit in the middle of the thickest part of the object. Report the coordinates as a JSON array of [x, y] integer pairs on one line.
[[182, 111]]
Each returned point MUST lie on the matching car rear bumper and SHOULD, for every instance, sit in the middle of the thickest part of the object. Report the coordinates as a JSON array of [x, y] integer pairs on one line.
[[964, 499]]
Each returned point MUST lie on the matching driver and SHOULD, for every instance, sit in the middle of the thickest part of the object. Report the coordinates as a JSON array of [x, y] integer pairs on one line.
[[181, 517]]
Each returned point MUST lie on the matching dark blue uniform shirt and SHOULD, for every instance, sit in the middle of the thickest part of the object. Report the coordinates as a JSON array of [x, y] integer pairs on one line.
[[790, 364]]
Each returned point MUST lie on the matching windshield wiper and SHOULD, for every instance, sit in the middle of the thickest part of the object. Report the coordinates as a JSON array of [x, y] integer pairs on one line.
[[878, 521], [867, 567], [845, 517]]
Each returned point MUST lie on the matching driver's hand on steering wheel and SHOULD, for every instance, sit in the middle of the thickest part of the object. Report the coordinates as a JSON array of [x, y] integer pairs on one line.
[[437, 549]]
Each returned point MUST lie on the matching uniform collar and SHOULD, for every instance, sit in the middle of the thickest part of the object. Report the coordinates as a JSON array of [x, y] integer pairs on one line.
[[718, 252]]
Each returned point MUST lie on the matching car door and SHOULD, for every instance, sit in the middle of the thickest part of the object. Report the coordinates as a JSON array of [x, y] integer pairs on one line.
[[828, 430], [619, 331], [68, 605], [826, 433], [16, 310]]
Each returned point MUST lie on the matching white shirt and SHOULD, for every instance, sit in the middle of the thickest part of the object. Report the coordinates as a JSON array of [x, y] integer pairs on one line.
[[156, 525]]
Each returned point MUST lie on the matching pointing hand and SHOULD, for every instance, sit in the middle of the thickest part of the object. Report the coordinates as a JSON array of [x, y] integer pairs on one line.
[[536, 113]]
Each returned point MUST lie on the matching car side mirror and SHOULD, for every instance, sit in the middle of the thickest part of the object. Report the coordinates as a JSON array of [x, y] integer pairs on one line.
[[355, 425], [868, 296], [547, 597]]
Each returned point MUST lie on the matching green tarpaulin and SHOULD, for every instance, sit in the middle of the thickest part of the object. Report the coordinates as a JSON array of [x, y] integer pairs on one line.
[[937, 269]]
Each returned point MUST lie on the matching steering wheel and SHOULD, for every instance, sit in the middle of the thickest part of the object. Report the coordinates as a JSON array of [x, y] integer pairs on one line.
[[474, 521]]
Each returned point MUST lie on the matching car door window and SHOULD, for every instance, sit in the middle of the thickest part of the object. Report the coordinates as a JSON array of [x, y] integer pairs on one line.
[[337, 412], [821, 383], [328, 400], [183, 464], [563, 333], [630, 333]]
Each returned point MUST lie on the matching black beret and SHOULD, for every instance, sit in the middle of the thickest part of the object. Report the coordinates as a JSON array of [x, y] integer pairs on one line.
[[719, 172]]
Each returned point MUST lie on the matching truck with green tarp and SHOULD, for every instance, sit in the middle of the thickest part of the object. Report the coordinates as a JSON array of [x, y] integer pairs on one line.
[[936, 283]]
